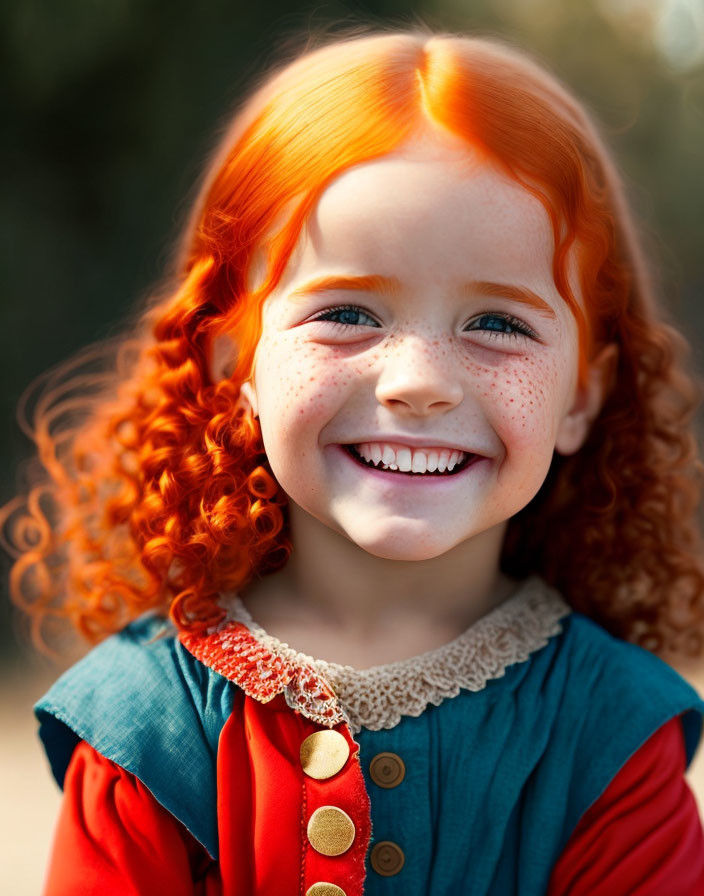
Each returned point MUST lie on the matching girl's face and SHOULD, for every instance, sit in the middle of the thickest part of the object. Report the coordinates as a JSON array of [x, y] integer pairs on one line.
[[435, 324]]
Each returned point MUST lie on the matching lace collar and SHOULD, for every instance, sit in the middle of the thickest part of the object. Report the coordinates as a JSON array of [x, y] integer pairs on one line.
[[377, 697]]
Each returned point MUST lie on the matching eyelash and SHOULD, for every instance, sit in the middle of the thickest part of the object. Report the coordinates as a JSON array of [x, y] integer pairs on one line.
[[520, 329]]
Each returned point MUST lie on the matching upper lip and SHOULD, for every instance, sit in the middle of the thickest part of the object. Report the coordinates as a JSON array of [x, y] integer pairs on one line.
[[412, 442]]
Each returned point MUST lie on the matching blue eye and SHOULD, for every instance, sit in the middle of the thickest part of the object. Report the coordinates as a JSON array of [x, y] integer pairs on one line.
[[498, 325], [349, 315], [502, 325]]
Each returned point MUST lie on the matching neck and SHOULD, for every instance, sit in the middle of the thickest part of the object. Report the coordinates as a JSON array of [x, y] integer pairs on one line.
[[331, 581]]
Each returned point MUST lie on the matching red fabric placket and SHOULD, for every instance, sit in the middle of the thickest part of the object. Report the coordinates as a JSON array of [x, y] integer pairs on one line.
[[262, 738], [265, 800]]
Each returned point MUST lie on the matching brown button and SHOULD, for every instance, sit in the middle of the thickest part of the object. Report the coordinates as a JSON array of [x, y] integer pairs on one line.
[[387, 769], [323, 888], [387, 858], [324, 753], [330, 831]]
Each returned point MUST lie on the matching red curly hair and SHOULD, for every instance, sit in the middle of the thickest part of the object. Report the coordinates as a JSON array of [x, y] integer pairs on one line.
[[156, 492]]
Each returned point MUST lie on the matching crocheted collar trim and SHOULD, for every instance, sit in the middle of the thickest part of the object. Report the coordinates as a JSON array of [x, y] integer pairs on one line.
[[375, 698]]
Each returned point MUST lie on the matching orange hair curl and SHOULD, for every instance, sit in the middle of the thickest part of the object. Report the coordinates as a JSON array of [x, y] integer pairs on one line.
[[160, 489]]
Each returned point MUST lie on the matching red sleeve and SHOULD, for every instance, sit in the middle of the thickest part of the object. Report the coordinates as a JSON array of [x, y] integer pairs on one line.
[[112, 837], [643, 836]]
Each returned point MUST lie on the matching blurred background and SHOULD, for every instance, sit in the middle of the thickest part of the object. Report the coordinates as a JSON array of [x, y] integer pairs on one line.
[[110, 111]]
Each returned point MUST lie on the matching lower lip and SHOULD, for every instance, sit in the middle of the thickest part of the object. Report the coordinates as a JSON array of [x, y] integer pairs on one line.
[[406, 479]]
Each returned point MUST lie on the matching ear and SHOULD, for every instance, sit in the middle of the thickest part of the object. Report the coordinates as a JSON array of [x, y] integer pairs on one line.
[[248, 396], [223, 358], [588, 401]]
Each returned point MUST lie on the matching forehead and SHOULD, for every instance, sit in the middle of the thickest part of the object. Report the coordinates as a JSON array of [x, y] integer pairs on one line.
[[428, 215]]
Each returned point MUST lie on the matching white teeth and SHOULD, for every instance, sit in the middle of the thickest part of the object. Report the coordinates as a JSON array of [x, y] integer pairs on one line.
[[454, 460], [408, 460], [362, 451], [403, 459], [420, 462]]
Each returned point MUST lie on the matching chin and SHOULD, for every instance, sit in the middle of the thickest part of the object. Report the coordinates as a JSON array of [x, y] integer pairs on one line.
[[403, 547]]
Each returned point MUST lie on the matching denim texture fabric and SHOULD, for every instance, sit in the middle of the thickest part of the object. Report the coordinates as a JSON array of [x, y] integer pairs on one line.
[[496, 780], [153, 709]]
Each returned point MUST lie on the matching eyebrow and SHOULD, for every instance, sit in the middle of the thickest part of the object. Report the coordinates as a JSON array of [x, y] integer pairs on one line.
[[391, 286]]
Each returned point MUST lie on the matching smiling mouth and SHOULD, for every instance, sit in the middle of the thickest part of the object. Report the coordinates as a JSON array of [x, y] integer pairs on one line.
[[350, 449]]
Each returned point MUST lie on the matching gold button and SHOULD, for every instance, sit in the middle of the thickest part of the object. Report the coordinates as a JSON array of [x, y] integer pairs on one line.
[[323, 888], [330, 831], [387, 858], [324, 753], [387, 769]]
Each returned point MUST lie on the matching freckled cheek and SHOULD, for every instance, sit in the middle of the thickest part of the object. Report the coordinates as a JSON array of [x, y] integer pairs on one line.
[[519, 399], [300, 382]]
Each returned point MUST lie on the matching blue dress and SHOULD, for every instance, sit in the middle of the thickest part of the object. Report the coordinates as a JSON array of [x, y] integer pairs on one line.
[[506, 736]]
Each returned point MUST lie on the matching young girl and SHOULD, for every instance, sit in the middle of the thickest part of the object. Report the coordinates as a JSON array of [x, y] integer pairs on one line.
[[408, 406]]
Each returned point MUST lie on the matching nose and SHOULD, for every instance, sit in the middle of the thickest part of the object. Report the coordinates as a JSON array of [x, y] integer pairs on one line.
[[416, 380]]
